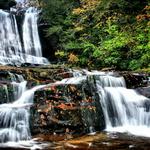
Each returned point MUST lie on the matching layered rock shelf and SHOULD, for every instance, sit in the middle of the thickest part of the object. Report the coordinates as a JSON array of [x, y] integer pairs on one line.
[[63, 108]]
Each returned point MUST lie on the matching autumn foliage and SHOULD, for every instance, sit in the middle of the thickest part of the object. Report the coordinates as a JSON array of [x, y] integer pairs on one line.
[[100, 33]]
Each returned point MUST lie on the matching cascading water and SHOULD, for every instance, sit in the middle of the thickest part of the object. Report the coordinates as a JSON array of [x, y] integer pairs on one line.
[[12, 51], [31, 39], [124, 109], [14, 121], [14, 117], [10, 45], [19, 85], [30, 34]]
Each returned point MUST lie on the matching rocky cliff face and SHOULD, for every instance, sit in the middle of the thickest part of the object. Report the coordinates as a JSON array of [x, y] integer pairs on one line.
[[46, 42], [6, 4]]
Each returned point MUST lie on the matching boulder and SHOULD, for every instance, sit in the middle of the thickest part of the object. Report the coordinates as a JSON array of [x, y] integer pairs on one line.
[[135, 80], [61, 108]]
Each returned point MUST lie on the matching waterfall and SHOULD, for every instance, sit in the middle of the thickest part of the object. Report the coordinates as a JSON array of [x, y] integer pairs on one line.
[[10, 45], [14, 117], [19, 85], [14, 121], [31, 39], [124, 109], [12, 51]]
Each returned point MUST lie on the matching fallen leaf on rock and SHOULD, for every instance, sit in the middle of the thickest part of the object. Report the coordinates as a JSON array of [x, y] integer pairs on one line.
[[69, 106]]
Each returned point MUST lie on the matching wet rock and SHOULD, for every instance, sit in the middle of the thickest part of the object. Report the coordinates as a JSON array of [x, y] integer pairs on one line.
[[144, 91], [64, 109], [43, 74], [135, 80], [7, 4], [71, 108], [48, 43]]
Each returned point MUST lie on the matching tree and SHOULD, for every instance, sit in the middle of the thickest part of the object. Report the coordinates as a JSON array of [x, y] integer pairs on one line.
[[101, 33], [6, 4]]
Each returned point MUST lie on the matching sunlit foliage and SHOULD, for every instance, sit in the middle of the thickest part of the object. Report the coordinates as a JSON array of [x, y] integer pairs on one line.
[[100, 33]]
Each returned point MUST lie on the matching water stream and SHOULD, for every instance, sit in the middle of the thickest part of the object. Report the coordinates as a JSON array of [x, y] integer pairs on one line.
[[12, 51], [10, 45], [124, 109], [31, 39], [14, 116]]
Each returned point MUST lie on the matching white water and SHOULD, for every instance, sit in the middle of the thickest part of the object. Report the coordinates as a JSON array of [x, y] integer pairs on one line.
[[11, 49], [31, 39], [14, 117], [73, 80], [124, 109], [10, 45], [19, 85], [33, 144]]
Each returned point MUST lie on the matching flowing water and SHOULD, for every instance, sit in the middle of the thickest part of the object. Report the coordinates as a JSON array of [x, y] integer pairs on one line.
[[14, 121], [124, 109], [12, 51], [14, 117], [31, 39], [10, 45]]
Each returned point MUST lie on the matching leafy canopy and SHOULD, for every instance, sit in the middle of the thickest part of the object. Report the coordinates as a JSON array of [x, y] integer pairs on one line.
[[100, 33]]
